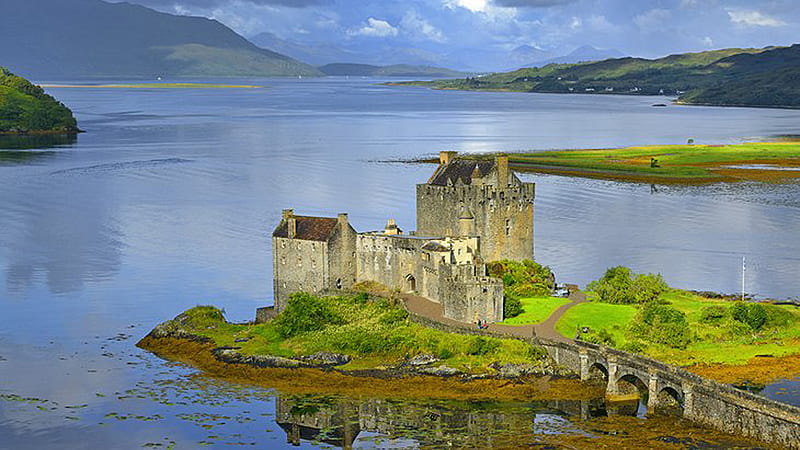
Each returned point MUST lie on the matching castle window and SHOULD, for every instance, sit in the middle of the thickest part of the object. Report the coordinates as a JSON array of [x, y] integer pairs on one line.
[[283, 244], [284, 285], [283, 261], [339, 283], [313, 264], [299, 262], [508, 227], [502, 196]]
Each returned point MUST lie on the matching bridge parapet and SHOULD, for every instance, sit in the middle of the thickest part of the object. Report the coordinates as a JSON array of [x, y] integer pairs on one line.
[[705, 401]]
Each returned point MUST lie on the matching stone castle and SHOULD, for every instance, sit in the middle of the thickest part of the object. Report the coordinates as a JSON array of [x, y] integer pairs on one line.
[[468, 213]]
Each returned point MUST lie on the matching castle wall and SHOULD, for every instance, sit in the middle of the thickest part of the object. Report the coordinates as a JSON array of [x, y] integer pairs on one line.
[[391, 260], [503, 216], [298, 266], [341, 259], [469, 297]]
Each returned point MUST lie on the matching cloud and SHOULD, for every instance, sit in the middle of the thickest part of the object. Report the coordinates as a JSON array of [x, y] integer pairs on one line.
[[375, 28], [472, 5], [653, 19], [754, 19], [215, 3], [416, 26], [531, 3]]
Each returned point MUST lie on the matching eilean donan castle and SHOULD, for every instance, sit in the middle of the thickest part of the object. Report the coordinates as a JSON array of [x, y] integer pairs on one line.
[[468, 213]]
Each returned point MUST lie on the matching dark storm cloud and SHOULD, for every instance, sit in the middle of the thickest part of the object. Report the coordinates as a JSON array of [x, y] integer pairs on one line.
[[213, 3]]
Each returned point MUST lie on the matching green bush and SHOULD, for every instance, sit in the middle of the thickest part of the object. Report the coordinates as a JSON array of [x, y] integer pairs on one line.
[[394, 316], [634, 347], [753, 315], [481, 346], [713, 315], [305, 313], [602, 337], [523, 278], [661, 324], [778, 317], [512, 307], [619, 285]]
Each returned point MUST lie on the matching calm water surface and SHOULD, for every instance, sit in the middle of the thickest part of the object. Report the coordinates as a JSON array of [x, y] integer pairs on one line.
[[169, 198]]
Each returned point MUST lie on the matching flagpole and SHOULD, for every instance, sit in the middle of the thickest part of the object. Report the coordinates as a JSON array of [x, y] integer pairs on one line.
[[744, 268]]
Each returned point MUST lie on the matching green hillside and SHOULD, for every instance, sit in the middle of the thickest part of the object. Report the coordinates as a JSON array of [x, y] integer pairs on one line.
[[735, 77], [59, 40], [397, 70], [25, 107]]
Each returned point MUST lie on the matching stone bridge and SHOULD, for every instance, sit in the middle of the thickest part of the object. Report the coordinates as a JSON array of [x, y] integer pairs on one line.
[[661, 386]]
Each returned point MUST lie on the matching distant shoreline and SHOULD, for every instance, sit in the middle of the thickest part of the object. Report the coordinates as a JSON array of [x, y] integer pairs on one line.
[[770, 162], [152, 86]]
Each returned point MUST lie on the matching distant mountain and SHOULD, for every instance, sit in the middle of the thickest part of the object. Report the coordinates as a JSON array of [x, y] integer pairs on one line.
[[768, 77], [93, 38], [586, 53], [25, 108], [313, 53], [397, 70]]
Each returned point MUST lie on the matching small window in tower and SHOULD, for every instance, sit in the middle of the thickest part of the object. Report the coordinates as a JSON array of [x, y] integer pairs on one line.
[[508, 227], [283, 261], [284, 285], [283, 244], [339, 283], [299, 262], [502, 196], [313, 264]]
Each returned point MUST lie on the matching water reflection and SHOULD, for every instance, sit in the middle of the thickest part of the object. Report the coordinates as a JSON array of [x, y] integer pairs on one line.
[[35, 141], [383, 423]]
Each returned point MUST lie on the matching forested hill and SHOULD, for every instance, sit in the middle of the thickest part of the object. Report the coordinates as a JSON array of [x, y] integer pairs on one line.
[[768, 77], [59, 39], [25, 107]]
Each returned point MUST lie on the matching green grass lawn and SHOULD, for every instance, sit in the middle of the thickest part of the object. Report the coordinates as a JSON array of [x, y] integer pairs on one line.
[[677, 162], [597, 316], [374, 333], [536, 310], [727, 342]]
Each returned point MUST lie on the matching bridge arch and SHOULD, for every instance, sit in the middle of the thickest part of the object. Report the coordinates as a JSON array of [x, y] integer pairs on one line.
[[598, 372], [669, 401]]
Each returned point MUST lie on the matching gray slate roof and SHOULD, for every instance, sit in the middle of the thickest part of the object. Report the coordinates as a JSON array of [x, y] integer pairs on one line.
[[460, 169]]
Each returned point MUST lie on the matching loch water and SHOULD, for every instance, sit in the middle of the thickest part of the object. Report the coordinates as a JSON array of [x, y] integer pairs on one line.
[[168, 200]]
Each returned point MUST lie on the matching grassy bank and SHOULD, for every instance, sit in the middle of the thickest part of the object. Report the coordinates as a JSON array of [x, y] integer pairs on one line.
[[686, 164], [536, 310], [374, 332], [716, 339]]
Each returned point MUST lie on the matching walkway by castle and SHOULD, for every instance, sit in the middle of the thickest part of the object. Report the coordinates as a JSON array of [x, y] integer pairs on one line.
[[433, 311]]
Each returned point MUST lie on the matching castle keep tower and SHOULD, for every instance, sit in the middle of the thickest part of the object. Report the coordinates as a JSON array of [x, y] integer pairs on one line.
[[480, 198]]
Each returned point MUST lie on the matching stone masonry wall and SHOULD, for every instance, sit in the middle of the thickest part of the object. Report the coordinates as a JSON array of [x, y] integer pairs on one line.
[[298, 265], [503, 217]]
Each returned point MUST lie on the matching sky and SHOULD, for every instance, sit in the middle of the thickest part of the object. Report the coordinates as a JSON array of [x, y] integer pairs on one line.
[[647, 28]]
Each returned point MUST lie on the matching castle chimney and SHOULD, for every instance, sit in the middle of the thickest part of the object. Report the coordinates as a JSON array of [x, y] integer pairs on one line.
[[292, 226], [392, 229], [342, 220], [501, 162], [446, 157], [287, 213]]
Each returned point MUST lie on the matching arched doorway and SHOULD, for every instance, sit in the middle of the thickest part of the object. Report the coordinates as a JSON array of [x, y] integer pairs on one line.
[[411, 284]]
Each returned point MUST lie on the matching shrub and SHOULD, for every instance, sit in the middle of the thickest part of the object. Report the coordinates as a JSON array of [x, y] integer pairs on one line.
[[393, 317], [778, 317], [361, 298], [621, 286], [753, 315], [661, 324], [512, 307], [713, 315], [634, 347], [523, 278], [480, 346], [305, 313], [602, 337]]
